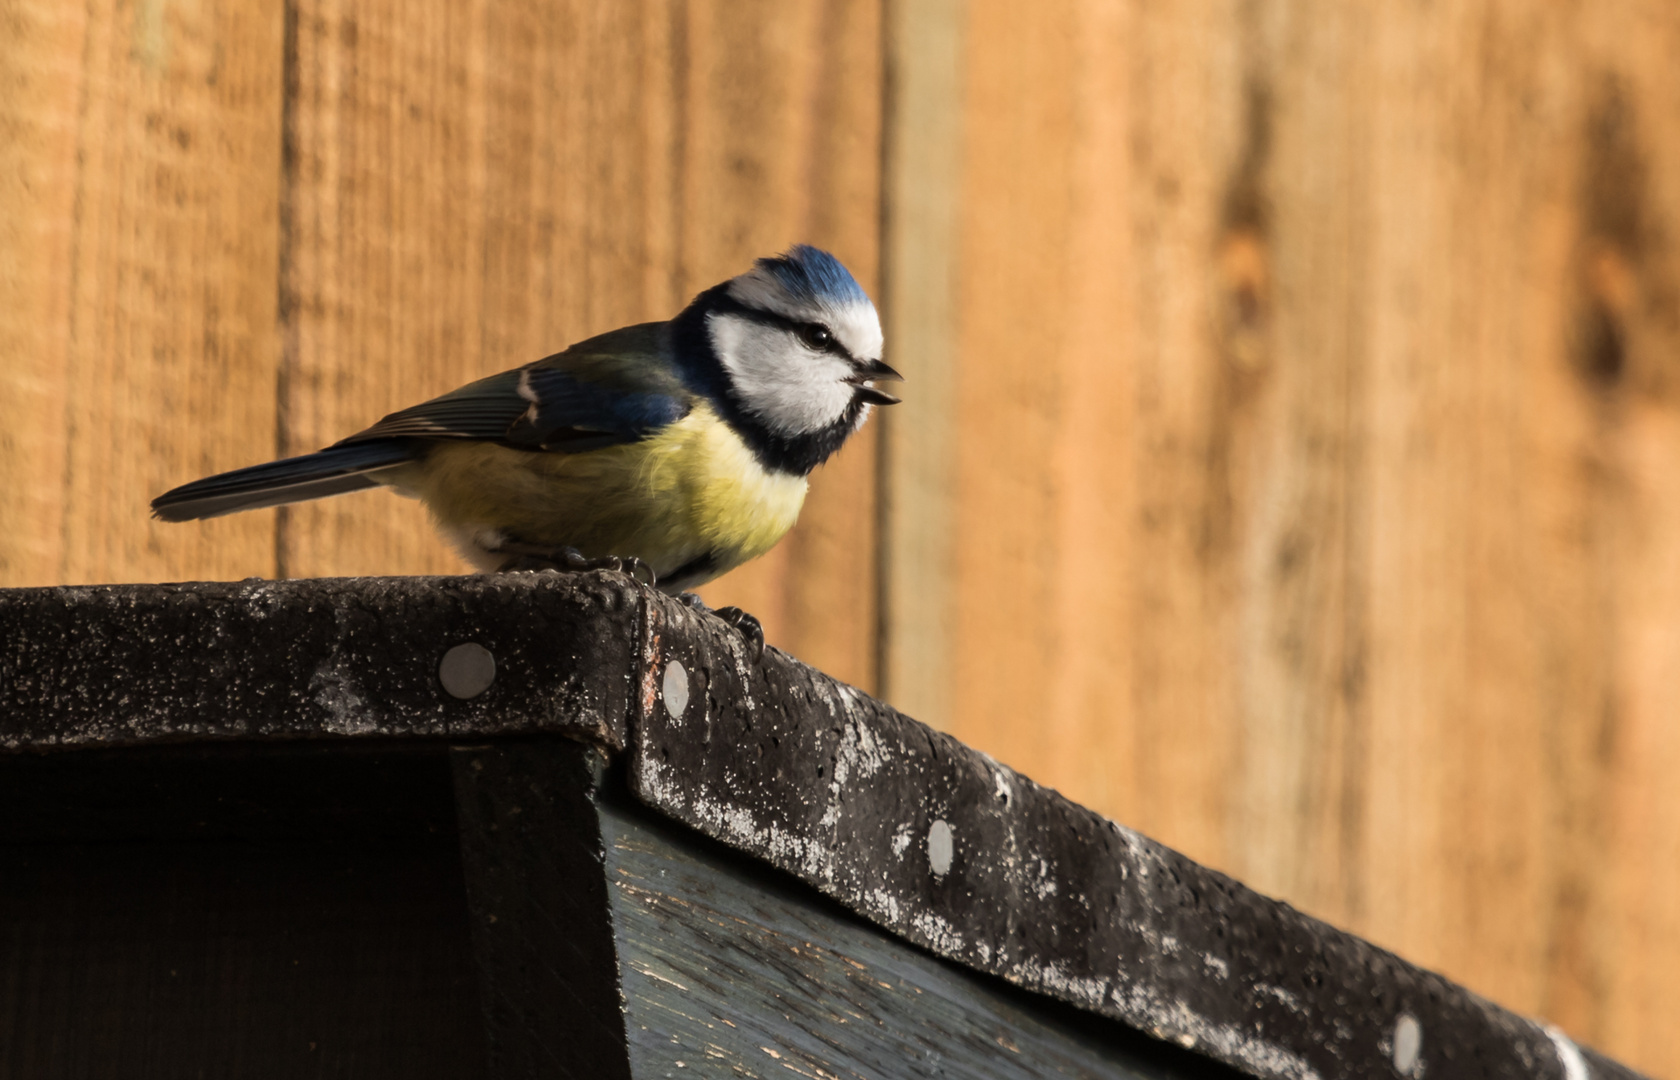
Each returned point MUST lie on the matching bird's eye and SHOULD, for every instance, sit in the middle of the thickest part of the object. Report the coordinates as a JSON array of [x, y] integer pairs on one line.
[[816, 335]]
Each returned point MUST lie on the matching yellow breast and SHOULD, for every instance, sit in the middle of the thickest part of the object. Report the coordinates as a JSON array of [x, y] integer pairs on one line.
[[693, 491]]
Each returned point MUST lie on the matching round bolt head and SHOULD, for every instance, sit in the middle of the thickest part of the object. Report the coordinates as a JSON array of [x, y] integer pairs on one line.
[[1408, 1044], [674, 689], [467, 670], [939, 847]]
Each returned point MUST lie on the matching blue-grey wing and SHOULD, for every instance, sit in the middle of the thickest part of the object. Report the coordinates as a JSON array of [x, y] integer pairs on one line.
[[616, 388]]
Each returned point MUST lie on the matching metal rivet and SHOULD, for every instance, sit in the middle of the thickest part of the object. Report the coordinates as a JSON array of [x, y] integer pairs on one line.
[[675, 689], [939, 848], [466, 671], [1408, 1041]]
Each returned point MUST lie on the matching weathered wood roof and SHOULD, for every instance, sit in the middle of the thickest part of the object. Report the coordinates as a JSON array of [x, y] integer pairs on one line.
[[927, 838]]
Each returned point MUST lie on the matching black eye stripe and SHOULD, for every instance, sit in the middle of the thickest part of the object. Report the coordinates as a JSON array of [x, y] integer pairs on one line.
[[729, 305]]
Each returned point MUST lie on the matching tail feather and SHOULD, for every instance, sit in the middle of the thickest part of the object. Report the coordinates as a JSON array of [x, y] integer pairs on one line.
[[332, 471]]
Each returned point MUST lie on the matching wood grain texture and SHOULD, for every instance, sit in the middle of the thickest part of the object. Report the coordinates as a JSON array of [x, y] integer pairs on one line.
[[40, 54], [537, 885], [474, 187], [613, 942], [781, 121], [730, 971], [137, 265], [1309, 498], [923, 169], [383, 211], [1626, 265]]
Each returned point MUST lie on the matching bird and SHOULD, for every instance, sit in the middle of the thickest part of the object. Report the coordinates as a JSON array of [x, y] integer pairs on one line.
[[673, 450]]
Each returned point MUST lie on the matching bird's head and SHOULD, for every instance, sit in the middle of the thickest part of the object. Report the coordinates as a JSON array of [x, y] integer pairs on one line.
[[800, 344]]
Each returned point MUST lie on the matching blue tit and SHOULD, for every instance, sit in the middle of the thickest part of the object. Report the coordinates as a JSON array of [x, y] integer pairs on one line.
[[684, 445]]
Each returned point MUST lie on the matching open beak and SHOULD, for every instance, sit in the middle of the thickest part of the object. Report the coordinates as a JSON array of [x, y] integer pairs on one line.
[[874, 371]]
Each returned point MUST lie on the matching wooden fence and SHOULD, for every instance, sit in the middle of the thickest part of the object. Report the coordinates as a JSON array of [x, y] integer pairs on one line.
[[1294, 388]]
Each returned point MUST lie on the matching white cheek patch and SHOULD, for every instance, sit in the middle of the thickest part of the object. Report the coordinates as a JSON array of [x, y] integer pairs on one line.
[[791, 389]]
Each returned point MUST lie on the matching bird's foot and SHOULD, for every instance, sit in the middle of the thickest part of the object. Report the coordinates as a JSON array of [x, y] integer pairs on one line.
[[568, 560], [748, 626]]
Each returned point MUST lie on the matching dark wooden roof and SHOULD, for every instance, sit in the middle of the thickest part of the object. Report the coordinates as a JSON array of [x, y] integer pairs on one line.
[[927, 838]]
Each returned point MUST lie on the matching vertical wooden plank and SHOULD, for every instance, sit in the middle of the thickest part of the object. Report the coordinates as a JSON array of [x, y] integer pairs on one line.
[[1289, 271], [1456, 832], [475, 187], [382, 283], [538, 891], [781, 143], [1421, 412], [42, 78], [1081, 390], [921, 189], [1197, 148], [519, 153], [140, 271], [581, 126], [469, 190], [1027, 153], [1626, 277], [1020, 96]]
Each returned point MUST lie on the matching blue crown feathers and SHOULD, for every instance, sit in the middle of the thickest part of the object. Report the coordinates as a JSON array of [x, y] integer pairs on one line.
[[813, 275]]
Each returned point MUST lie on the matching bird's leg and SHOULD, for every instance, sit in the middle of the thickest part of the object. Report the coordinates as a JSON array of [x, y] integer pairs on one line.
[[748, 626], [538, 557]]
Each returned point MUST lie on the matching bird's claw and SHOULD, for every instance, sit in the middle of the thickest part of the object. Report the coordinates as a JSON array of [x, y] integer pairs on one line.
[[639, 571], [750, 629], [748, 626]]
